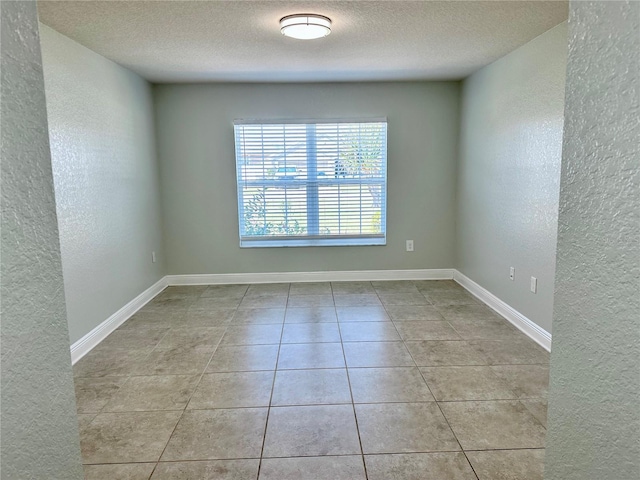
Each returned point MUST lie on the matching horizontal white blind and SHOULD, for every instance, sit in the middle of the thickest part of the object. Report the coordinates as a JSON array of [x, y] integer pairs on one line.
[[315, 181]]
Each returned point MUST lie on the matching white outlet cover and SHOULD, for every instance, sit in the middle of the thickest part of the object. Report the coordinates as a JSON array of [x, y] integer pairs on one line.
[[534, 284]]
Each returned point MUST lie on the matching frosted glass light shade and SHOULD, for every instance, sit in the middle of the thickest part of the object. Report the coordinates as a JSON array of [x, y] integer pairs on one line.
[[305, 26]]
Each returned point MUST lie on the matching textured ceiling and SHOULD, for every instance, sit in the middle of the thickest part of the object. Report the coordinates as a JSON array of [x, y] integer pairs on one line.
[[187, 41]]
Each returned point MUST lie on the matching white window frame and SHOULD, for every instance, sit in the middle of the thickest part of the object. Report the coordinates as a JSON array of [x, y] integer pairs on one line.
[[313, 238]]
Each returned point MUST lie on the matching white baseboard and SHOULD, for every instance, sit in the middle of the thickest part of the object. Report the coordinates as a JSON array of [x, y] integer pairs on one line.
[[329, 276], [522, 323], [83, 346]]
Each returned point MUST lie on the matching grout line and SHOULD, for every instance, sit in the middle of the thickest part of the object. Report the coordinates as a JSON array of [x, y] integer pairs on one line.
[[446, 420], [321, 456], [273, 386], [353, 405], [429, 388], [197, 383]]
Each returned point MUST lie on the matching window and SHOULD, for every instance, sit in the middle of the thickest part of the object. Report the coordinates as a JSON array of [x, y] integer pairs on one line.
[[311, 183]]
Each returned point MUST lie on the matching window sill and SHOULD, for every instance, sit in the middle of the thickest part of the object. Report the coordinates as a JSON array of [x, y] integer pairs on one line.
[[314, 242]]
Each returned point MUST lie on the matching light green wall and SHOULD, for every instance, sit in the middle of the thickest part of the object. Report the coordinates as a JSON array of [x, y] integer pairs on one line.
[[106, 180], [194, 127], [38, 422], [509, 173], [594, 390]]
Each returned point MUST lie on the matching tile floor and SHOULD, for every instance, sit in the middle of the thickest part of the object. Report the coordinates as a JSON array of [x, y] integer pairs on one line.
[[313, 381]]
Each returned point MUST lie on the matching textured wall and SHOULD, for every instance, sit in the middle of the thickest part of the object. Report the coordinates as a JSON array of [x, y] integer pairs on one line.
[[196, 149], [106, 180], [594, 409], [509, 174], [39, 427]]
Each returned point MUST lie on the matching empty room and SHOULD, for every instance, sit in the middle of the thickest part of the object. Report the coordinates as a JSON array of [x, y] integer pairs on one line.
[[320, 240]]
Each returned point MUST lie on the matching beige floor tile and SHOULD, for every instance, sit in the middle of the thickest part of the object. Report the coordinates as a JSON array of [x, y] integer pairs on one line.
[[377, 354], [211, 303], [368, 332], [451, 297], [474, 312], [263, 301], [207, 470], [527, 381], [181, 291], [310, 332], [224, 291], [196, 337], [232, 390], [357, 300], [217, 434], [352, 288], [259, 315], [140, 338], [433, 330], [93, 393], [141, 320], [266, 289], [407, 313], [311, 387], [310, 315], [166, 309], [240, 358], [445, 353], [310, 355], [466, 383], [127, 437], [391, 288], [102, 362], [490, 381], [84, 419], [511, 352], [404, 428], [157, 392], [348, 467], [362, 314], [252, 335], [419, 466], [170, 302], [311, 430], [310, 301], [403, 299], [430, 285], [395, 286], [216, 317], [504, 424], [508, 464], [310, 288], [538, 408], [126, 471], [169, 293], [486, 330], [398, 384], [175, 361]]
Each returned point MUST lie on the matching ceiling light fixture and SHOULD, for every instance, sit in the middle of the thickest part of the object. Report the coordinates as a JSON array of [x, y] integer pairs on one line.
[[305, 26]]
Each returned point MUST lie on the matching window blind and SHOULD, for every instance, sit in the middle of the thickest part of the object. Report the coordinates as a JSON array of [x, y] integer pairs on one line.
[[311, 183]]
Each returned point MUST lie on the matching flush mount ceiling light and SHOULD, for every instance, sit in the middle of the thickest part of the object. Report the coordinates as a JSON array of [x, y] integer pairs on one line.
[[305, 26]]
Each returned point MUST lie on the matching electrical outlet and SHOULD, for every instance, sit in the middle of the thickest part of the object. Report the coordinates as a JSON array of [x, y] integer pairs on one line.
[[534, 284], [153, 257], [512, 274], [409, 245]]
